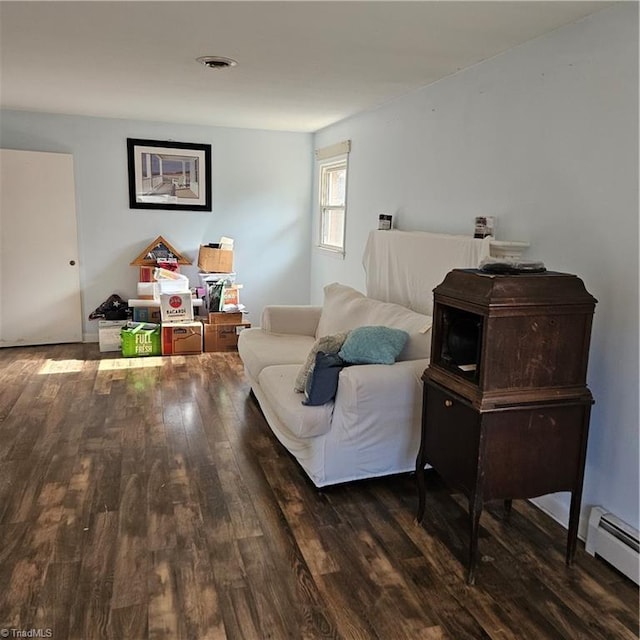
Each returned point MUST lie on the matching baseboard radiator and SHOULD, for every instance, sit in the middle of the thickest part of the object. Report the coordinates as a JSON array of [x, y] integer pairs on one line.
[[614, 541]]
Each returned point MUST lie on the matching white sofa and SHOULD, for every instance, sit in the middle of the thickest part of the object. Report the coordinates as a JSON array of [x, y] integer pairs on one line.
[[372, 428]]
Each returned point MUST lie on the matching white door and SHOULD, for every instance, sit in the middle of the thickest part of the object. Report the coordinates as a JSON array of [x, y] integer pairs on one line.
[[39, 273]]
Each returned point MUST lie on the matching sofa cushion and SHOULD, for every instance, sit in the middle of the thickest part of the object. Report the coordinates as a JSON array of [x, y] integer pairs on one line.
[[373, 345], [276, 383], [326, 344], [259, 349], [345, 309]]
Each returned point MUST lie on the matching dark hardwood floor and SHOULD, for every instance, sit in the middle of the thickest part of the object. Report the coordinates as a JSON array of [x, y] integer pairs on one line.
[[146, 498]]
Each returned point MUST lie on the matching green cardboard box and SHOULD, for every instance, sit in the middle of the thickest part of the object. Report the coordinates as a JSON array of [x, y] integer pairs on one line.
[[140, 339]]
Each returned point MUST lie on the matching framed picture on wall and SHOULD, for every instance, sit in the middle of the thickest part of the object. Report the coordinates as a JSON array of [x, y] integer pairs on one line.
[[169, 175]]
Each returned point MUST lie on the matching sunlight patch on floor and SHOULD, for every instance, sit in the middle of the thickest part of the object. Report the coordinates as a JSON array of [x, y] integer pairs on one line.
[[115, 364], [108, 364], [61, 366]]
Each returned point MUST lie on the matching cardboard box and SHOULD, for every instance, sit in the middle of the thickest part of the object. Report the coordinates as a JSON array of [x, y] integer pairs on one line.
[[225, 318], [109, 334], [181, 338], [176, 306], [140, 341], [215, 260], [222, 337], [146, 314]]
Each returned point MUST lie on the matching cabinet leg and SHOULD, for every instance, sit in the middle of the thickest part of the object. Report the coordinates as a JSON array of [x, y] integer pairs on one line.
[[421, 490], [420, 460], [475, 511], [507, 509], [574, 518], [576, 493]]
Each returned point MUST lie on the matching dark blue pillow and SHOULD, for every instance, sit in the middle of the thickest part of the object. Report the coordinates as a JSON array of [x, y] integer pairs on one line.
[[322, 384]]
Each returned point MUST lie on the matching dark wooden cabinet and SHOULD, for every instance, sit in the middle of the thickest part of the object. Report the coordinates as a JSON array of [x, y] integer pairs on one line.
[[506, 407]]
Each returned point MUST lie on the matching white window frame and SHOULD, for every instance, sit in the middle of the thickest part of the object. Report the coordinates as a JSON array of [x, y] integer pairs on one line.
[[336, 156]]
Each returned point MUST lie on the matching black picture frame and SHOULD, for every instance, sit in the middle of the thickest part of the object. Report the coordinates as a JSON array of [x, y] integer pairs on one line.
[[174, 176]]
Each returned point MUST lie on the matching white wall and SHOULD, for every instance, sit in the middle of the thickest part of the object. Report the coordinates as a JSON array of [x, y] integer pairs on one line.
[[261, 198], [545, 137]]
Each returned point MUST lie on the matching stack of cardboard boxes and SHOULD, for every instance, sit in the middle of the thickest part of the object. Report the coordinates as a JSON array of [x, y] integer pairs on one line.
[[181, 334], [163, 312], [221, 331], [224, 320]]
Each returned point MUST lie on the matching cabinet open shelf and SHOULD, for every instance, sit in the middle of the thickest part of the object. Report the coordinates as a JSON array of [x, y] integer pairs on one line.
[[460, 349]]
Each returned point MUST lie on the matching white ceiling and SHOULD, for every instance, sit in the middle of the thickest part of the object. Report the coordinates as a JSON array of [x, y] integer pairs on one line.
[[301, 65]]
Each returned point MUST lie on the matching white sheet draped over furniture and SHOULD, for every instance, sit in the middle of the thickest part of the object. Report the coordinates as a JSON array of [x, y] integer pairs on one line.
[[406, 266]]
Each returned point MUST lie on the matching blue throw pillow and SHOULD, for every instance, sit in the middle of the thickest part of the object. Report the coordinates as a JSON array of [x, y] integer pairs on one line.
[[373, 345], [322, 384]]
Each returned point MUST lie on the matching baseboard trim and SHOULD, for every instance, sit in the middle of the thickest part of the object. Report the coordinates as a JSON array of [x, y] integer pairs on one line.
[[555, 507]]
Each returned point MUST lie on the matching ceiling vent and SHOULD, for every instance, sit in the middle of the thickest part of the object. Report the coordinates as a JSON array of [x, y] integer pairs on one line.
[[216, 62]]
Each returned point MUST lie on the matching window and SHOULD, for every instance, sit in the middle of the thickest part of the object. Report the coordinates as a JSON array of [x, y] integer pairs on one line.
[[333, 195]]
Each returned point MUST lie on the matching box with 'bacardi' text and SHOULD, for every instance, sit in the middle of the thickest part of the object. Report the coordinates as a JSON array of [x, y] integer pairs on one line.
[[176, 307]]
